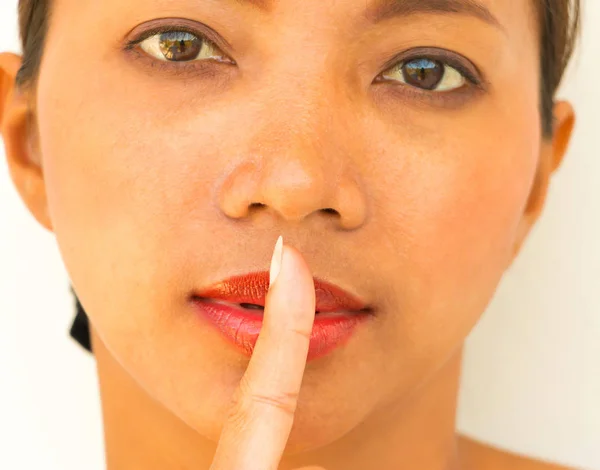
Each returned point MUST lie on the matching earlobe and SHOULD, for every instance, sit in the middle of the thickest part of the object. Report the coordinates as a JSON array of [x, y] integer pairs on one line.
[[551, 156], [18, 129]]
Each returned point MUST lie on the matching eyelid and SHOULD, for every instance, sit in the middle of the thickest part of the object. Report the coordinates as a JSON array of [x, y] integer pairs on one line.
[[467, 68], [163, 25], [463, 65]]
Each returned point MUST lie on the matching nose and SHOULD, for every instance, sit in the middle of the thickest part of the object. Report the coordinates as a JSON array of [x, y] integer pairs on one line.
[[296, 171]]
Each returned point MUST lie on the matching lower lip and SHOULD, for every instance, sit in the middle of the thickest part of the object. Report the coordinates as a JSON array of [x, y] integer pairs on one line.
[[242, 327]]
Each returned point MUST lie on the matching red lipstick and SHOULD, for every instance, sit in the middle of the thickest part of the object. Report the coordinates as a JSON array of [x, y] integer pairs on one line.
[[235, 307]]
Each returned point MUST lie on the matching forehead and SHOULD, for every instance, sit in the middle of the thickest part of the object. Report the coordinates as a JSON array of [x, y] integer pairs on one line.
[[483, 9], [507, 14]]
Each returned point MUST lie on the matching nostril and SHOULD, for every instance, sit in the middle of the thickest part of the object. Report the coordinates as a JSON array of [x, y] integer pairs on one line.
[[257, 205], [329, 210]]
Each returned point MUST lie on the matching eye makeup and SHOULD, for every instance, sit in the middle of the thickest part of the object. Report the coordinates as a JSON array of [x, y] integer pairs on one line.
[[474, 81]]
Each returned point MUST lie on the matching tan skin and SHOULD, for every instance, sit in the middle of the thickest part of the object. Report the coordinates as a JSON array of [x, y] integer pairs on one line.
[[147, 176]]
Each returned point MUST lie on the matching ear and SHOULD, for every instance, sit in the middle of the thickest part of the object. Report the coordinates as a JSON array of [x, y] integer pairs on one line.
[[552, 152], [19, 132]]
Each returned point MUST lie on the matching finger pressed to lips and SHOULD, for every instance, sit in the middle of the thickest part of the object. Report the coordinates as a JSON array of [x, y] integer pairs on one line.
[[262, 410]]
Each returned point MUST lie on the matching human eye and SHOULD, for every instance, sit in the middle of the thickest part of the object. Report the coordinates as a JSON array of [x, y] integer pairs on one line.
[[427, 74], [177, 47], [180, 46], [433, 71]]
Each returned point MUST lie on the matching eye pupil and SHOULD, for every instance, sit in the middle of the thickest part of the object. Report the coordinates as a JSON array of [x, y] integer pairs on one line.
[[179, 45], [423, 73]]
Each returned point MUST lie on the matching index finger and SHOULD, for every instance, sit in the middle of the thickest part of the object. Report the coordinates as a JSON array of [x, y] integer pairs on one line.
[[262, 413]]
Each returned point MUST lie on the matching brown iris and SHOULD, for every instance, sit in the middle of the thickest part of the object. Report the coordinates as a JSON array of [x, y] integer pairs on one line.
[[179, 45], [423, 73]]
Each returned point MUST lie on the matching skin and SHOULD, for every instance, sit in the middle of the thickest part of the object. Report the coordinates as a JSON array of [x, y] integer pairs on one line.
[[148, 179]]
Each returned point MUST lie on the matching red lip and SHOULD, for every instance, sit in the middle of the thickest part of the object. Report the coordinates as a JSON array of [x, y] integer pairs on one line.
[[220, 304], [252, 289]]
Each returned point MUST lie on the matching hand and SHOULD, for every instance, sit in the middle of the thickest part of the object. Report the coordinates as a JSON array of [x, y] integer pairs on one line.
[[263, 406]]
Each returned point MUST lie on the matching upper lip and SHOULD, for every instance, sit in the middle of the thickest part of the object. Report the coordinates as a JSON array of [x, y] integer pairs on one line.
[[252, 289]]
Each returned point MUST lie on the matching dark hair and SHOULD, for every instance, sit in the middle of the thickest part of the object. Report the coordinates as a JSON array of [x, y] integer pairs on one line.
[[559, 27]]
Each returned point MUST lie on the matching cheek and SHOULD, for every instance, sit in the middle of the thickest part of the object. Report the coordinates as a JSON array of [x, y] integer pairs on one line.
[[469, 212], [454, 208], [122, 183]]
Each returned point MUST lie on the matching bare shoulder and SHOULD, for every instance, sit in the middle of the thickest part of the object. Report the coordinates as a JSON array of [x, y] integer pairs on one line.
[[479, 456]]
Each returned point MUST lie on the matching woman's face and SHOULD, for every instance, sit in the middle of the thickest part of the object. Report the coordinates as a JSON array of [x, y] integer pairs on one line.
[[419, 132]]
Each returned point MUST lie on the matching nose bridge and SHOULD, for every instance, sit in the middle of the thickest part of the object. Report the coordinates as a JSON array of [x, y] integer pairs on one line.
[[301, 120], [300, 164], [300, 77], [305, 160], [300, 97]]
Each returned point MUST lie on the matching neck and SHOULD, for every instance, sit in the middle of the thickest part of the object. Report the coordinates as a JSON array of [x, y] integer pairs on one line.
[[417, 433]]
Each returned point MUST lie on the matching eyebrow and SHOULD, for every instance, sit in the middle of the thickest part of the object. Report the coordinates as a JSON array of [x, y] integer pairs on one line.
[[383, 10]]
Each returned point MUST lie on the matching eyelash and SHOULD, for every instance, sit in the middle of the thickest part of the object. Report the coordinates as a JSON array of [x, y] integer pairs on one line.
[[447, 59], [475, 81], [175, 67]]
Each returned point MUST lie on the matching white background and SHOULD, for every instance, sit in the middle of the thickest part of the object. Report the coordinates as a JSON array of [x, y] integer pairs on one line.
[[531, 380]]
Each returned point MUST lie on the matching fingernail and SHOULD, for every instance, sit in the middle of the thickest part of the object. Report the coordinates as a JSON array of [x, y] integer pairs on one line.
[[276, 261]]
